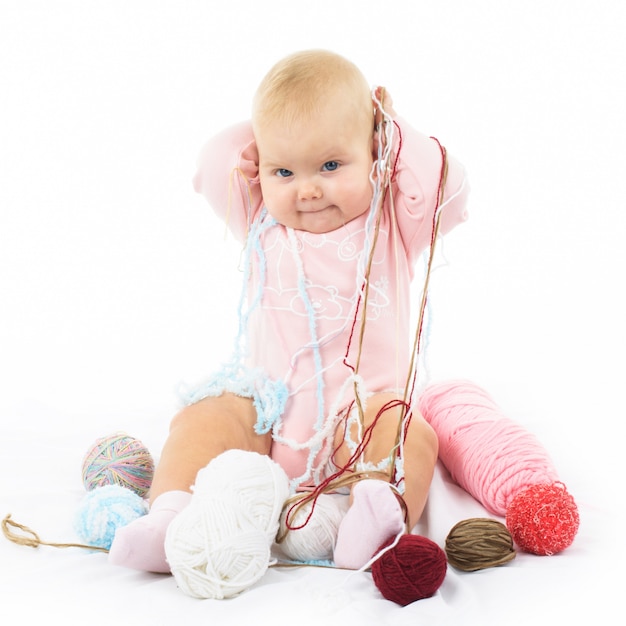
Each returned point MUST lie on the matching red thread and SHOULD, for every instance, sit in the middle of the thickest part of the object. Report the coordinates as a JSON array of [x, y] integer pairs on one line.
[[352, 329], [327, 483], [394, 169], [412, 570]]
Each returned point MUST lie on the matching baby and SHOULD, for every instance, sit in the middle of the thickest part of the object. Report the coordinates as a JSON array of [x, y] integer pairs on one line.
[[334, 198]]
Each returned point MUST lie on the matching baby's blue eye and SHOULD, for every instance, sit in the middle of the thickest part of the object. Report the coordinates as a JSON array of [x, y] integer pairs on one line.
[[283, 173], [331, 166]]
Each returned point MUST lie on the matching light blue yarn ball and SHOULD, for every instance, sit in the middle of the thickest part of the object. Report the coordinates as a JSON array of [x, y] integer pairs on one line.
[[104, 510]]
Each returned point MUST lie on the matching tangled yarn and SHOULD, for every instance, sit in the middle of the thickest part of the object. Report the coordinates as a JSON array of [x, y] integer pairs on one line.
[[105, 509], [496, 460], [219, 545], [479, 543], [118, 460], [412, 570], [313, 538]]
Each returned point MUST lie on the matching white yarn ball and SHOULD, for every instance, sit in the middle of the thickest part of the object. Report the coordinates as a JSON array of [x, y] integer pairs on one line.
[[215, 552], [315, 541], [220, 545], [258, 484]]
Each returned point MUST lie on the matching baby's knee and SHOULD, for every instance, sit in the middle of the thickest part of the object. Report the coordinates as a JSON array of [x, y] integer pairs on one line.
[[421, 434], [228, 419]]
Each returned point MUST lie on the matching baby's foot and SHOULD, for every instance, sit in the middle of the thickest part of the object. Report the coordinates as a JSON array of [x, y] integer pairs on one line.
[[374, 518], [140, 545]]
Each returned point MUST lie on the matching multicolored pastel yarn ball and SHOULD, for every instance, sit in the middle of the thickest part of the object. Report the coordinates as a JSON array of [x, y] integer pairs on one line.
[[118, 460], [105, 509], [543, 519]]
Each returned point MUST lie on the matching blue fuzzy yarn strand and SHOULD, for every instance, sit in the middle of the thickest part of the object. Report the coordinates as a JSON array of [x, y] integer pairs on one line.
[[105, 509]]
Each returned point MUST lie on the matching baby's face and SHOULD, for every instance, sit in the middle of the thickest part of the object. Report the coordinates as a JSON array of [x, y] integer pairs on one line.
[[315, 176]]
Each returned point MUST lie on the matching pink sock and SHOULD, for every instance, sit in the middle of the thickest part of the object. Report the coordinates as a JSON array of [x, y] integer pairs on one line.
[[140, 545], [374, 518]]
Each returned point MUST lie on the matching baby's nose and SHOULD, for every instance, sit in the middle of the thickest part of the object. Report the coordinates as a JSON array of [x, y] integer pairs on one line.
[[309, 190]]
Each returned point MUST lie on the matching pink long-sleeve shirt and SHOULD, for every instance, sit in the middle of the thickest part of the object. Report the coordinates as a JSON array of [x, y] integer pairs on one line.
[[305, 286]]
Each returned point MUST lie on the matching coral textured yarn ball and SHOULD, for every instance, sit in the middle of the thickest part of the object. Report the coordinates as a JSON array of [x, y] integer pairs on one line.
[[543, 519]]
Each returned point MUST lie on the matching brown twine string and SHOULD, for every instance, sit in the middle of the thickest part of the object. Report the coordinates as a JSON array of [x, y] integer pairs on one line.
[[31, 539], [408, 387], [386, 189], [478, 543]]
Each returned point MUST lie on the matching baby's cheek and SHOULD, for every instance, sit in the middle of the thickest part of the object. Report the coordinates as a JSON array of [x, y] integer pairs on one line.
[[270, 197], [361, 195], [279, 206]]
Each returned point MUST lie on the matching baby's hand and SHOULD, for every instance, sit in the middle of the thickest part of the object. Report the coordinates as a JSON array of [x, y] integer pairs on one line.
[[382, 95]]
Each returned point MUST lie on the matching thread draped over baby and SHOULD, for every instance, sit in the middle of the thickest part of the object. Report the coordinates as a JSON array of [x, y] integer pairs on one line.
[[316, 546], [269, 395]]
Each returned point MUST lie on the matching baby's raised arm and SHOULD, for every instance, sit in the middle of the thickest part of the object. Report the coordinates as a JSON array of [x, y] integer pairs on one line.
[[416, 181], [227, 176]]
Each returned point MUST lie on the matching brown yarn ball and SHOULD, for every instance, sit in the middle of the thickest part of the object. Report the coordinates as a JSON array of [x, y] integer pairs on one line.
[[478, 543]]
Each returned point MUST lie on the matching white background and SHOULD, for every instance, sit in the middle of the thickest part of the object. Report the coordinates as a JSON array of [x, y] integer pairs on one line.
[[116, 281]]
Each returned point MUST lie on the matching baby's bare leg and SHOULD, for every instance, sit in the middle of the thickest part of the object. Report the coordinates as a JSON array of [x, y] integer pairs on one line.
[[375, 515], [198, 434]]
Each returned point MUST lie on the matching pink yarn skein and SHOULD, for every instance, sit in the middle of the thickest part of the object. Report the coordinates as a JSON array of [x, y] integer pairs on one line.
[[487, 454]]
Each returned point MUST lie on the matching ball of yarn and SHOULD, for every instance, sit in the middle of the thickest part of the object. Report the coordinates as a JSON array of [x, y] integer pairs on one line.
[[412, 570], [118, 460], [478, 543], [255, 482], [216, 551], [105, 509], [543, 519], [486, 453], [219, 545], [315, 540]]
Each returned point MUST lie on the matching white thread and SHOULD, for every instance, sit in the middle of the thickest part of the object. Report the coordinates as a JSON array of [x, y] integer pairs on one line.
[[220, 544], [377, 556], [316, 540]]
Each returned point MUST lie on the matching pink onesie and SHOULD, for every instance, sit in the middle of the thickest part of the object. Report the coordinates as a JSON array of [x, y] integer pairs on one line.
[[298, 342]]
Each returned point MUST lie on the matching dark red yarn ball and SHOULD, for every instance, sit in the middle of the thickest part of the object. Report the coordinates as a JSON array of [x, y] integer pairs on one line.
[[412, 570], [543, 519]]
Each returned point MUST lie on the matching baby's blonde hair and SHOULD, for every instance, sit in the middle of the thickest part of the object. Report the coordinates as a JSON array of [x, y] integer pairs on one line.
[[302, 84]]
